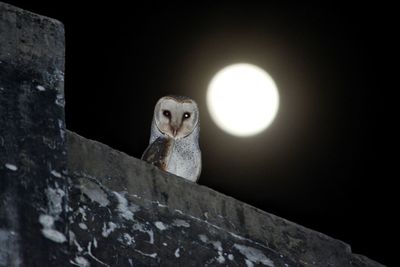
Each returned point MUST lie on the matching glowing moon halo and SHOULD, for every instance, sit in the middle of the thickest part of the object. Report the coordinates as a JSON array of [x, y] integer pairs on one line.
[[242, 99]]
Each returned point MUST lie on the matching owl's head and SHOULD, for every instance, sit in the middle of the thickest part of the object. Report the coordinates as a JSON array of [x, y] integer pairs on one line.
[[176, 116]]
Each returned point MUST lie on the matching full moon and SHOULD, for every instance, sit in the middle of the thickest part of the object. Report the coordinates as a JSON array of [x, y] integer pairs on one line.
[[242, 99]]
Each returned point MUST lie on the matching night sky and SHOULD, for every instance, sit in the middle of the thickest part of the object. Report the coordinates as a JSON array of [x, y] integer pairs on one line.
[[320, 163]]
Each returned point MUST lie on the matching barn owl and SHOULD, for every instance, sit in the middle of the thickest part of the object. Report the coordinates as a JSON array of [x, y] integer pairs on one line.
[[174, 140]]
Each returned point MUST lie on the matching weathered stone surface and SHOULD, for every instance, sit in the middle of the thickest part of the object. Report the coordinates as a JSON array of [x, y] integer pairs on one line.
[[32, 143], [138, 214]]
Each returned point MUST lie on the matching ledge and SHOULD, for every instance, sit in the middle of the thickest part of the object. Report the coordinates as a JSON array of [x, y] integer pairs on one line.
[[141, 198]]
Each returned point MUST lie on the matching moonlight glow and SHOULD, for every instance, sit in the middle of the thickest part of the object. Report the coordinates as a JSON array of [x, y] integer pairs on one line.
[[242, 99]]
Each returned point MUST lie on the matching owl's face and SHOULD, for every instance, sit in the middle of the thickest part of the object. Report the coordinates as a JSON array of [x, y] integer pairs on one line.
[[176, 117]]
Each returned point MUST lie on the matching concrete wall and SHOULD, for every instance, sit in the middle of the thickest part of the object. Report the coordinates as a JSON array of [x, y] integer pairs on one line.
[[32, 140], [147, 217], [69, 201]]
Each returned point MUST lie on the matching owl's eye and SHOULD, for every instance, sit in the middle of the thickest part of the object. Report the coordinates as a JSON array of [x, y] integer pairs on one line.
[[186, 115], [166, 113]]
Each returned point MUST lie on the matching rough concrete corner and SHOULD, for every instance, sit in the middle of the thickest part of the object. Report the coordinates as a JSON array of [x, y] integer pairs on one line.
[[32, 140]]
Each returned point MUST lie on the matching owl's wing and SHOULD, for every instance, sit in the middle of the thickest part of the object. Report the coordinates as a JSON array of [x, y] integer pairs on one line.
[[158, 152]]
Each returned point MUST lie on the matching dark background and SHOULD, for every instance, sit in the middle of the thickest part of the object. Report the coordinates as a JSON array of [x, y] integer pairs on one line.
[[320, 164]]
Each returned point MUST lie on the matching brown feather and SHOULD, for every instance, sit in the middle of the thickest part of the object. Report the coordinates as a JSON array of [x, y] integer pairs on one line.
[[158, 153]]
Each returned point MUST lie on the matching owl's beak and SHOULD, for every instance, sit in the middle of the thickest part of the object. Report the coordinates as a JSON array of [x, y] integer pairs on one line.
[[174, 127], [174, 131]]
